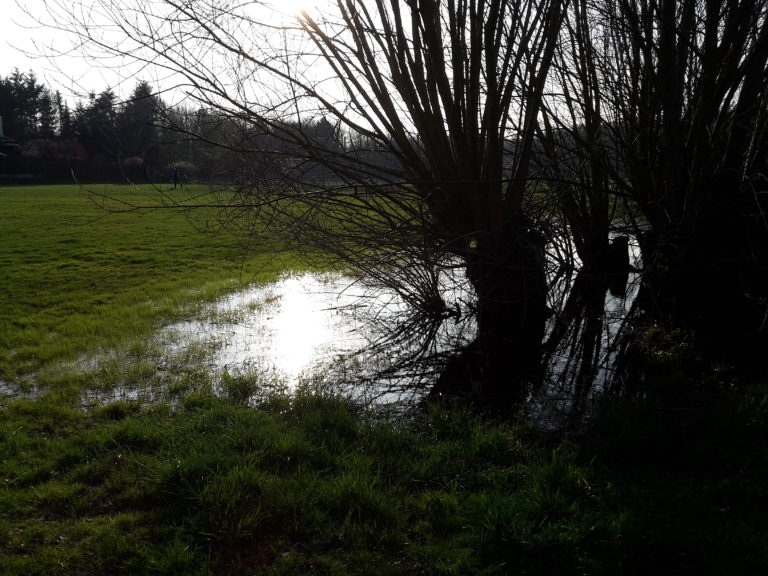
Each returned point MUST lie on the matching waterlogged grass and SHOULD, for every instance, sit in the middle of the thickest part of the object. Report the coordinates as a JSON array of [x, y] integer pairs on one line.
[[83, 272], [204, 481], [315, 485]]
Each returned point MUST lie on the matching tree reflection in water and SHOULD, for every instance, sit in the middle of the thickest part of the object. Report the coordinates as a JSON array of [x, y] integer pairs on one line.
[[380, 344]]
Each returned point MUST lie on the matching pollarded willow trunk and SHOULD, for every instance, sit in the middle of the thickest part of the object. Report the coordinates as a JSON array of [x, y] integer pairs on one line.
[[711, 274], [507, 273], [685, 82]]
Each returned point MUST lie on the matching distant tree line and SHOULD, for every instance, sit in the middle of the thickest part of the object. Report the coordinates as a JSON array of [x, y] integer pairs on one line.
[[139, 138], [96, 139]]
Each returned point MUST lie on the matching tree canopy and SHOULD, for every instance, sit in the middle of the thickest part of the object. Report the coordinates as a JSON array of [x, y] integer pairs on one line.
[[413, 137]]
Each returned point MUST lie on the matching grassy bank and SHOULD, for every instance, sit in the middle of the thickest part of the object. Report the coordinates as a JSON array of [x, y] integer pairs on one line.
[[83, 272], [315, 485]]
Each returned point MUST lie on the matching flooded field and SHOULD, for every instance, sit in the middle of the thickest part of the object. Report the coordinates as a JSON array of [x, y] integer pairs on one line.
[[313, 328], [289, 329], [332, 331], [329, 329]]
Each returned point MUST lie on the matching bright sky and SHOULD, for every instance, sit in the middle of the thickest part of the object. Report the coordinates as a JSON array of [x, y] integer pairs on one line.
[[23, 42]]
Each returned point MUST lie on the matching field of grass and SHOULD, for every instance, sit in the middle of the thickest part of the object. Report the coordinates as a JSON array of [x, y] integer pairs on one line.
[[81, 272], [209, 482], [312, 484]]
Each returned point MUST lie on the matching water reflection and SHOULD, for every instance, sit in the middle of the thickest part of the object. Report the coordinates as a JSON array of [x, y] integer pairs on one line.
[[582, 350], [367, 341], [583, 341], [316, 327], [287, 328]]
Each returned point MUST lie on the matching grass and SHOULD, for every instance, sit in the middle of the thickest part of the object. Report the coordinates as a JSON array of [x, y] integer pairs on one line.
[[313, 484], [79, 276], [203, 483]]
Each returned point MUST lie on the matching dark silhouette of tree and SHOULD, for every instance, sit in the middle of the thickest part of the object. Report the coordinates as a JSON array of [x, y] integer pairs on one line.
[[48, 118], [96, 124], [20, 105], [683, 87], [409, 137], [136, 123], [66, 129]]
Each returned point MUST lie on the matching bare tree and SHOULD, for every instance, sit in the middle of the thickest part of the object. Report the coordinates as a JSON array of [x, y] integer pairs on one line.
[[437, 105], [577, 156], [684, 89], [451, 88]]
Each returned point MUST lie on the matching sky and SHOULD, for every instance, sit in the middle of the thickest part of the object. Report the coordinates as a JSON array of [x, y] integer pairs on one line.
[[22, 38], [24, 43]]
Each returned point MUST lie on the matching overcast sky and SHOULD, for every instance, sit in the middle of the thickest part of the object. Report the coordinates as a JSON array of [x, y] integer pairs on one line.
[[26, 45]]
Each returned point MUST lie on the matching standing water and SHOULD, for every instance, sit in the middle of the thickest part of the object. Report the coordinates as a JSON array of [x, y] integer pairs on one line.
[[315, 328], [332, 330], [319, 328]]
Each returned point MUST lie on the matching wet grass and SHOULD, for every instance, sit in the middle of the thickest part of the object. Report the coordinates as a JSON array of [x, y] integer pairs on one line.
[[203, 479], [84, 272], [313, 484]]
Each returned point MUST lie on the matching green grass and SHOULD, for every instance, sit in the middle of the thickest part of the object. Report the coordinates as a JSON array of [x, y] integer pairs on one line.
[[312, 484], [80, 274], [204, 483], [296, 486]]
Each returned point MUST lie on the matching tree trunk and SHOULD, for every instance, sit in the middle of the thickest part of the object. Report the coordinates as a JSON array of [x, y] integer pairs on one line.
[[507, 273], [711, 275]]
